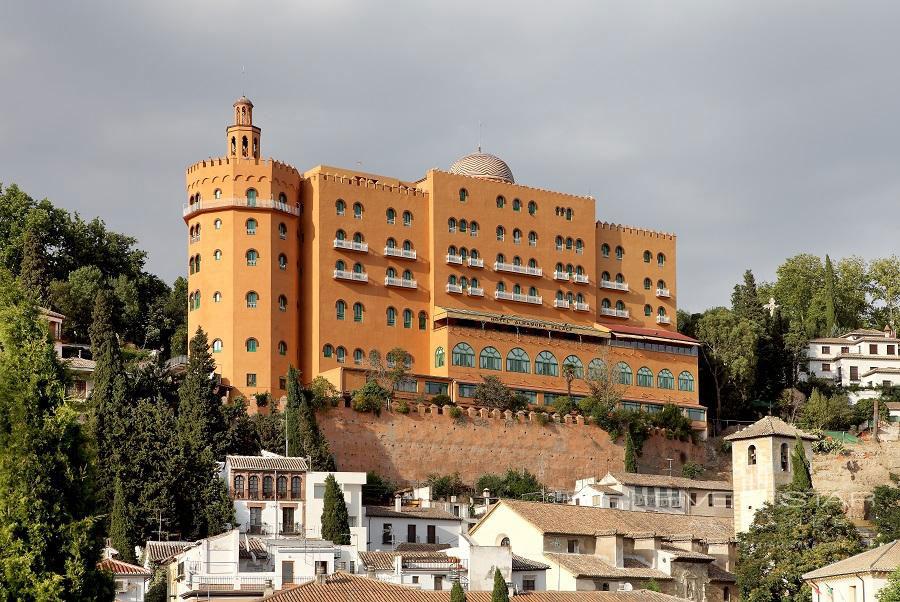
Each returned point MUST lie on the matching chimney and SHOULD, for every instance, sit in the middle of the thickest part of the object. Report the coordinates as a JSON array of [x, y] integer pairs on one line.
[[268, 589], [398, 502], [486, 494], [320, 574]]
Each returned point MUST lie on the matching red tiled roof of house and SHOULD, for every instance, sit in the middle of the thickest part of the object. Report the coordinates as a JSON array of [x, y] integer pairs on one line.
[[117, 567]]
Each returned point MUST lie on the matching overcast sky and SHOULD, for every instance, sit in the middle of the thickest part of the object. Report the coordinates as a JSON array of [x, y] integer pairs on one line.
[[753, 130]]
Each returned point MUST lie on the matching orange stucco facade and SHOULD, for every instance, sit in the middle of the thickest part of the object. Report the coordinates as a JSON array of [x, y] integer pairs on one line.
[[320, 268]]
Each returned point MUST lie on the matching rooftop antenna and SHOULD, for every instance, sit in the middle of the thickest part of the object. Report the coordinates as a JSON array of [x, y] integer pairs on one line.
[[243, 81], [480, 126]]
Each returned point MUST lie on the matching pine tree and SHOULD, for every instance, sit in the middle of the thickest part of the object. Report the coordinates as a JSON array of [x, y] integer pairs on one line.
[[50, 538], [745, 301], [800, 467], [304, 437], [120, 524], [830, 320], [500, 592], [199, 407], [33, 272], [335, 520], [630, 459], [456, 593]]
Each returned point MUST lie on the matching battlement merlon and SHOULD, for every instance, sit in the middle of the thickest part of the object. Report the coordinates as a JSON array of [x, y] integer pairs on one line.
[[625, 229]]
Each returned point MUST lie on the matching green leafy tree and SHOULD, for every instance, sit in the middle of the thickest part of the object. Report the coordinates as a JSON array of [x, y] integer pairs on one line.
[[457, 594], [241, 436], [119, 525], [800, 280], [885, 284], [829, 294], [270, 429], [826, 412], [513, 484], [34, 273], [371, 397], [745, 301], [304, 437], [802, 480], [335, 520], [569, 374], [798, 533], [726, 339], [378, 489], [50, 538], [491, 392], [886, 511], [630, 459], [443, 486], [653, 586], [324, 393], [398, 362], [891, 591], [500, 593], [200, 417], [157, 592], [564, 405]]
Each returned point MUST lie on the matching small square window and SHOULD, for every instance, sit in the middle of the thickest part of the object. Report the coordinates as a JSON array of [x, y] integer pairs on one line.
[[251, 379], [282, 383]]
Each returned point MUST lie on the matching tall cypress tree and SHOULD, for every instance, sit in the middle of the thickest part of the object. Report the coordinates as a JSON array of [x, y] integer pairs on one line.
[[34, 270], [630, 459], [801, 480], [335, 519], [456, 593], [199, 407], [304, 437], [500, 592], [120, 524], [830, 319], [50, 538]]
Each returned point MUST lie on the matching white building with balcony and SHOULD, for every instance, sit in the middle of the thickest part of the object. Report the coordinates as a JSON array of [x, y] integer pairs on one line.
[[390, 526], [866, 358], [655, 493]]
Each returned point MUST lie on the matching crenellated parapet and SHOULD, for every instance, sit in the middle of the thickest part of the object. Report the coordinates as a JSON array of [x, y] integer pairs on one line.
[[369, 183], [635, 231]]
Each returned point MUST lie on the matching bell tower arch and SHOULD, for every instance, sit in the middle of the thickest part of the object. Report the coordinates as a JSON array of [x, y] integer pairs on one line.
[[242, 137]]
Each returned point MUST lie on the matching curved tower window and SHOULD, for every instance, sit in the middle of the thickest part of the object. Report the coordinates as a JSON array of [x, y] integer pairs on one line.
[[648, 256], [407, 218], [463, 355], [252, 345], [252, 256], [340, 207], [407, 318], [252, 299], [282, 303], [340, 309], [463, 195], [686, 381], [751, 455], [217, 345], [624, 373], [532, 207], [358, 357], [517, 360], [596, 369], [391, 316], [501, 202], [439, 357], [489, 359], [251, 226], [665, 379], [217, 224], [423, 320], [282, 231], [282, 348], [604, 250], [251, 196], [282, 261], [357, 210], [391, 215], [358, 312], [545, 364]]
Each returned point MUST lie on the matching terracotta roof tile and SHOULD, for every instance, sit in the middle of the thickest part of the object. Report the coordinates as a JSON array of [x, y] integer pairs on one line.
[[407, 546], [525, 564], [717, 573], [681, 554], [160, 551], [384, 561], [883, 559], [658, 480], [117, 567], [266, 463], [591, 566], [767, 426], [410, 512]]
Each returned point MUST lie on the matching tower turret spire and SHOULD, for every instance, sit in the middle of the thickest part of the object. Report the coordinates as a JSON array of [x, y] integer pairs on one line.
[[243, 136]]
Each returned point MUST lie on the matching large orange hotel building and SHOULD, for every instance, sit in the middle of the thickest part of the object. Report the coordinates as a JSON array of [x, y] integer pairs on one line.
[[468, 271]]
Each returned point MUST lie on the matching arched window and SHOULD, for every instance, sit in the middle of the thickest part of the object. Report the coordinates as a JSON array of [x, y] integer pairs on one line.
[[648, 284], [505, 542], [451, 279], [217, 254], [579, 270], [545, 363], [252, 299], [451, 224], [340, 354], [268, 482], [517, 361], [532, 263], [252, 256], [358, 356], [605, 304], [517, 289], [501, 258], [660, 259], [282, 303], [579, 246], [391, 273], [569, 243], [648, 311], [281, 485], [620, 252], [463, 226], [391, 215], [217, 193], [340, 265], [532, 292], [217, 297], [357, 210], [423, 320], [464, 253], [327, 350], [463, 195], [559, 243], [665, 379], [358, 312], [686, 381], [282, 231], [785, 462], [604, 277], [391, 243], [473, 229], [596, 369], [660, 284], [407, 246], [501, 287], [191, 264], [624, 373], [604, 250], [532, 207], [620, 279], [661, 312], [217, 345], [516, 205], [751, 455], [532, 238], [500, 202], [620, 306], [577, 366], [439, 357], [197, 263], [282, 348], [251, 197], [217, 224], [407, 318], [489, 359], [517, 236], [463, 355], [474, 283], [569, 213], [357, 268], [340, 309], [358, 237], [340, 207], [391, 316], [517, 260], [407, 218], [452, 250], [239, 486], [253, 487], [407, 275], [251, 344], [500, 233], [473, 253], [648, 256], [340, 235]]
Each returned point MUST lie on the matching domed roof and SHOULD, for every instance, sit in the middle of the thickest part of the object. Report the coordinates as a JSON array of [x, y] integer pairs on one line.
[[483, 165], [243, 100]]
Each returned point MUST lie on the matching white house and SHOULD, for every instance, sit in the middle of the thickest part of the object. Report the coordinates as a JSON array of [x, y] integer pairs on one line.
[[389, 526], [131, 580], [422, 570], [855, 579], [351, 484], [867, 358], [655, 493]]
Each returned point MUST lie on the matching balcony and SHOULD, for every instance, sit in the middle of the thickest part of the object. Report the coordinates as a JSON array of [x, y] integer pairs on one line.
[[663, 293], [518, 297], [476, 292], [476, 262], [613, 313], [209, 204], [362, 247], [398, 252], [561, 276], [581, 306], [561, 303], [454, 259], [581, 279], [663, 320], [454, 288], [195, 239], [616, 286], [347, 275], [400, 282], [517, 269]]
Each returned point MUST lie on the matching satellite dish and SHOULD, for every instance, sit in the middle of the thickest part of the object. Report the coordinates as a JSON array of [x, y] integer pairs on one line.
[[627, 587]]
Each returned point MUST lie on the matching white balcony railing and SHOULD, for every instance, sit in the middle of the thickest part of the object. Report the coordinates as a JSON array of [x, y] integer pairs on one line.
[[348, 275], [195, 239], [616, 286], [615, 313], [476, 262], [401, 282], [663, 293], [190, 209], [455, 259], [582, 306], [398, 252], [362, 247], [508, 296], [476, 292], [454, 288], [663, 320], [561, 276], [581, 279], [561, 303], [517, 269]]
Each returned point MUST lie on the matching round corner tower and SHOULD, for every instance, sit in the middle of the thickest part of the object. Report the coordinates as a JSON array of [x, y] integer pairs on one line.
[[243, 217]]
